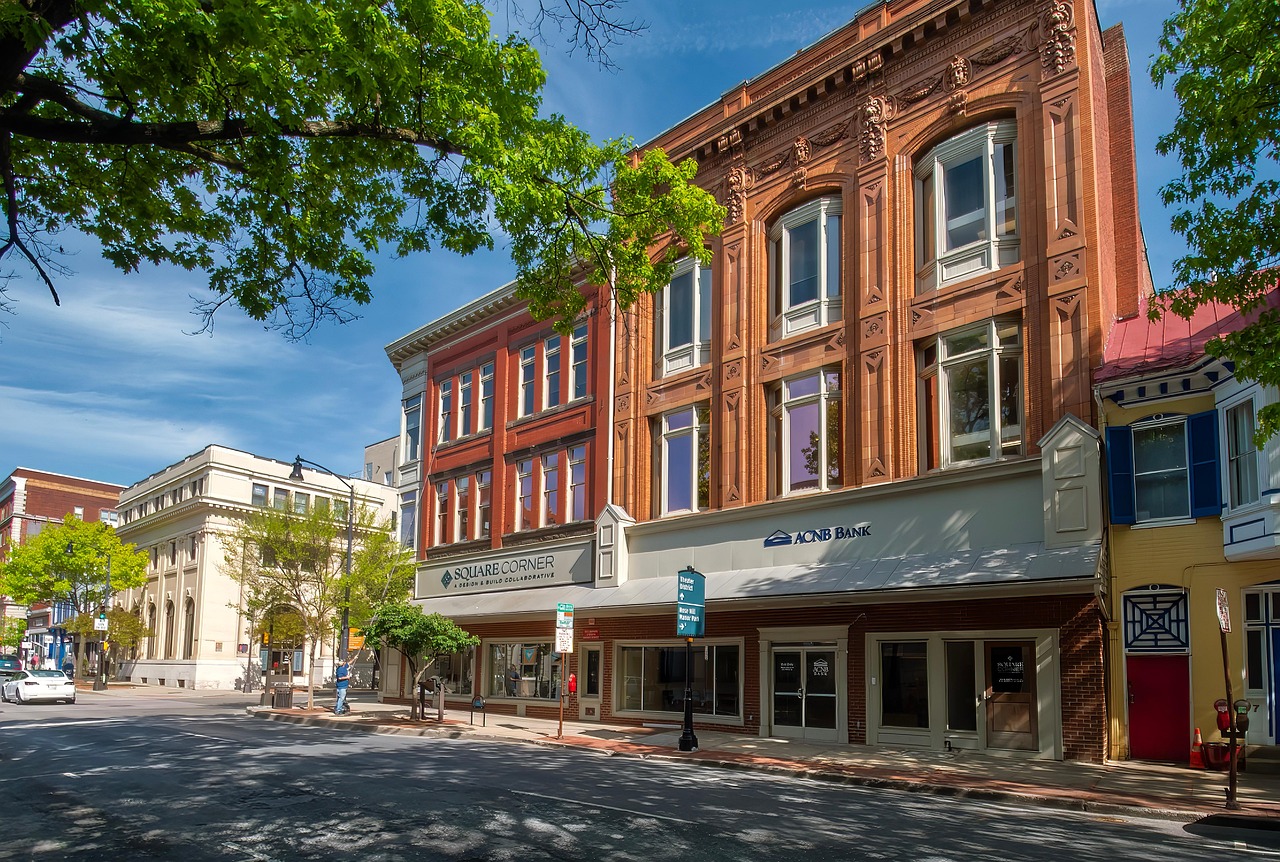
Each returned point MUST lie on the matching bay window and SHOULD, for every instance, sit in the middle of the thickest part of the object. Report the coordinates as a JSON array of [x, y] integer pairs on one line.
[[684, 318], [807, 431], [966, 206], [684, 460], [804, 268], [971, 394]]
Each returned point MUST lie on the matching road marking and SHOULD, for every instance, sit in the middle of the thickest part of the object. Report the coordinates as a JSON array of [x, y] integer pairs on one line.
[[590, 803], [42, 725]]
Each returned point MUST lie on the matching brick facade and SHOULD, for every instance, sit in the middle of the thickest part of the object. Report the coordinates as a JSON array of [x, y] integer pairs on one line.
[[856, 147]]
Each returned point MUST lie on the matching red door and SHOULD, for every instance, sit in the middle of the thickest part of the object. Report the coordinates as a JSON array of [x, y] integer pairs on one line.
[[1159, 707]]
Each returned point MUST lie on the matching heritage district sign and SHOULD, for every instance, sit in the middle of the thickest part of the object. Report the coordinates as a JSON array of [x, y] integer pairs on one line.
[[533, 567]]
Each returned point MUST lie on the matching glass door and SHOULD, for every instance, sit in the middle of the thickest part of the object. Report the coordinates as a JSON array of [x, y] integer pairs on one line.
[[805, 694], [589, 668], [1011, 695]]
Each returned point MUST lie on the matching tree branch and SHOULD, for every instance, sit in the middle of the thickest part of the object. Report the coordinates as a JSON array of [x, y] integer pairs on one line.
[[14, 239]]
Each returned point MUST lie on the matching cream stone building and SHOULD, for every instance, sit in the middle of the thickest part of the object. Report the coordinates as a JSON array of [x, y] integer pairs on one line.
[[180, 516]]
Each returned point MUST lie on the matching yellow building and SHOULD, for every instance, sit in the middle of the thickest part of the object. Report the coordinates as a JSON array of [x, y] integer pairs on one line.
[[1193, 511]]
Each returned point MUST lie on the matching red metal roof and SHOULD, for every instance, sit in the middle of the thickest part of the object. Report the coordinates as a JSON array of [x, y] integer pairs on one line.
[[1140, 345]]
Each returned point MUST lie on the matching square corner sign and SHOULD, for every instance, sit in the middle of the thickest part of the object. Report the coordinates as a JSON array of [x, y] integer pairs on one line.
[[101, 625], [564, 640], [1224, 612]]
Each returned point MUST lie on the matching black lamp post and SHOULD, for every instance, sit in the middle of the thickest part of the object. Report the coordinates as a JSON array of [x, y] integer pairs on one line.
[[296, 476], [100, 678]]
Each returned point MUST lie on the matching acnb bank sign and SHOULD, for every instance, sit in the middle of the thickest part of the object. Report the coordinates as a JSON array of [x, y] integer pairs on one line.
[[778, 538]]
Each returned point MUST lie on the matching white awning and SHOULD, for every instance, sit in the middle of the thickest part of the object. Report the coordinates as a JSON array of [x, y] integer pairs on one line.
[[1030, 565]]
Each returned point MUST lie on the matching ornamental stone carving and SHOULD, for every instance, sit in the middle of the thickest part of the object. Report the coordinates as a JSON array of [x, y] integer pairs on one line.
[[958, 73], [739, 182], [1059, 47], [873, 122], [800, 150]]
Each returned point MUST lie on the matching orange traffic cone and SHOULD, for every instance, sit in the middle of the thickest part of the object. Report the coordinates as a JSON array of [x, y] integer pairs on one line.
[[1197, 759]]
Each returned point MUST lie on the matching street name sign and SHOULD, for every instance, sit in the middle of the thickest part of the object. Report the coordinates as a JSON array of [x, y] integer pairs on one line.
[[691, 591]]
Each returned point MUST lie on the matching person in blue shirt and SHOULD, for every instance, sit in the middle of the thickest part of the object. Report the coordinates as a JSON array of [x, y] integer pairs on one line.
[[342, 680]]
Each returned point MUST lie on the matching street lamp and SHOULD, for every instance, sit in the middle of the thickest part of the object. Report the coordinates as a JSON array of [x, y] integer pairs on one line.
[[296, 476], [100, 678]]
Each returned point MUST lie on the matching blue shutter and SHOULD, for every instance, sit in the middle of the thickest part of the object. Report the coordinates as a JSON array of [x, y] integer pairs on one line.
[[1206, 484], [1120, 475]]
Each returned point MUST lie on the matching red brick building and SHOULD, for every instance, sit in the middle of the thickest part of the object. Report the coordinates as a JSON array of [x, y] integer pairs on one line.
[[500, 452], [30, 500], [868, 422]]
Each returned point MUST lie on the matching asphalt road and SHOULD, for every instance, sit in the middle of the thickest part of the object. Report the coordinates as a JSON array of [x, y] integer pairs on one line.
[[189, 778]]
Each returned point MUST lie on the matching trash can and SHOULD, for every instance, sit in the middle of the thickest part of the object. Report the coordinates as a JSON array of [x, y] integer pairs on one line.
[[282, 696]]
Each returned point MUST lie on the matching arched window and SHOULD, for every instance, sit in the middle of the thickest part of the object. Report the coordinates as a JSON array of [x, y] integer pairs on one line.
[[804, 268], [966, 206], [682, 315], [189, 628], [170, 621], [151, 626]]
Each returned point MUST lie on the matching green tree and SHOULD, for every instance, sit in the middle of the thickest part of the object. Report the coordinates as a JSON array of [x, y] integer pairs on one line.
[[70, 563], [279, 145], [125, 631], [382, 570], [1224, 61], [12, 631], [293, 566], [421, 637]]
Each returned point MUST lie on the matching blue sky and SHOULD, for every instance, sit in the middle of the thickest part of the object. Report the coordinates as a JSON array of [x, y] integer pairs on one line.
[[111, 387]]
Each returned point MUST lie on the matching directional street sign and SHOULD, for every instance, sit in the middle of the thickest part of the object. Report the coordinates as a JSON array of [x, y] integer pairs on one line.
[[691, 591], [564, 627]]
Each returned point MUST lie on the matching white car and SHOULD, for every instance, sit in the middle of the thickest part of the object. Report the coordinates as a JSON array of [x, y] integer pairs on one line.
[[30, 685]]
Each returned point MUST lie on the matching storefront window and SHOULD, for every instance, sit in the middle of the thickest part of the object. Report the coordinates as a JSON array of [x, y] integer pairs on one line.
[[523, 670], [653, 679], [456, 670], [904, 678]]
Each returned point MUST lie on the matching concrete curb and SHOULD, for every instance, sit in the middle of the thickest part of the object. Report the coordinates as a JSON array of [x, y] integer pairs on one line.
[[1074, 803]]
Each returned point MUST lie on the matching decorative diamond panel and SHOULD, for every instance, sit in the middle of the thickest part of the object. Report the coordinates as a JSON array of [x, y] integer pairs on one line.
[[1156, 622]]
